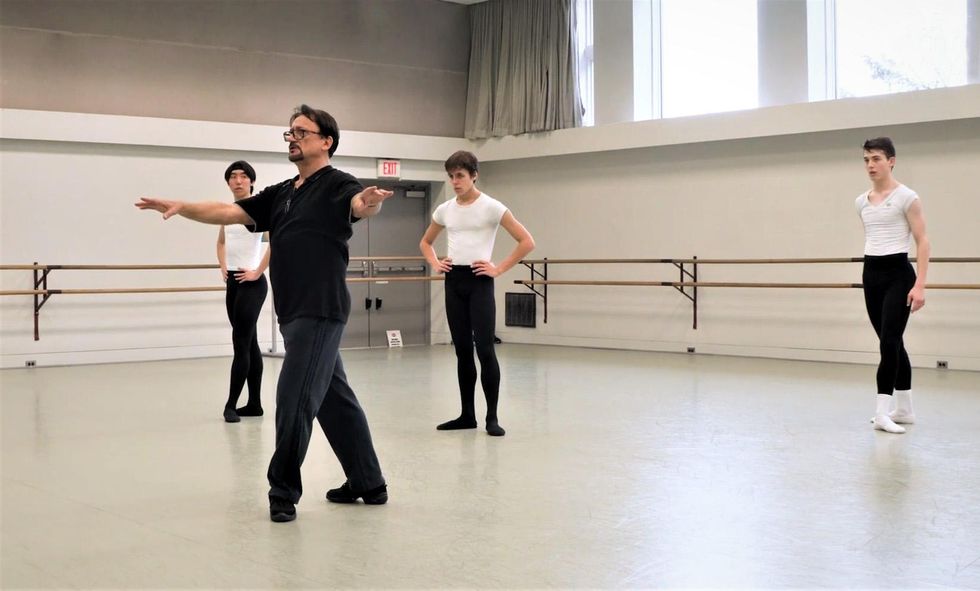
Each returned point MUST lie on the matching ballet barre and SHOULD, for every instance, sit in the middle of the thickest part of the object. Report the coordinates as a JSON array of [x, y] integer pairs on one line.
[[42, 293], [688, 282]]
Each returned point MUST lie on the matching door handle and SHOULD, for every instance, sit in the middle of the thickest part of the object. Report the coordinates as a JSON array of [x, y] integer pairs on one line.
[[377, 303], [367, 303], [399, 269], [362, 272]]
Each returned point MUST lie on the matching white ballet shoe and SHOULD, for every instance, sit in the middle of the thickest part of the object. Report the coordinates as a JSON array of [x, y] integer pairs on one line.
[[884, 423], [901, 417]]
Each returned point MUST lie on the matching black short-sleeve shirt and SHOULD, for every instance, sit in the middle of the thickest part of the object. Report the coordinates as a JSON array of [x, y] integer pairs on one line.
[[308, 232]]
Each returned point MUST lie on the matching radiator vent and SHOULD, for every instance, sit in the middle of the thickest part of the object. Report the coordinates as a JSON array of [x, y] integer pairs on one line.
[[520, 310]]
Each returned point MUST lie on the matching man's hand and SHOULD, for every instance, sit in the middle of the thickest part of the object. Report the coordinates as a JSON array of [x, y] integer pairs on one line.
[[916, 298], [485, 268], [167, 208], [444, 266], [243, 276], [368, 202], [373, 196]]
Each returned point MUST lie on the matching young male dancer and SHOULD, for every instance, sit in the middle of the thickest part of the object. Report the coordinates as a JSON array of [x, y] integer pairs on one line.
[[471, 220], [892, 214]]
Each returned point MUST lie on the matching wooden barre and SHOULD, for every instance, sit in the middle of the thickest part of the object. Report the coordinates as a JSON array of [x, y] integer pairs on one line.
[[102, 267], [736, 261], [727, 284], [169, 267], [186, 289], [108, 290], [527, 262]]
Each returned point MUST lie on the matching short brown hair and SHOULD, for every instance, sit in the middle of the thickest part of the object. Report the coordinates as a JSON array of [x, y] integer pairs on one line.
[[465, 160]]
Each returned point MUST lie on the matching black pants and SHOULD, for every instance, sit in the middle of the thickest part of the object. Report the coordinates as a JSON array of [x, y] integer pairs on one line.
[[887, 282], [312, 383], [471, 311], [244, 303]]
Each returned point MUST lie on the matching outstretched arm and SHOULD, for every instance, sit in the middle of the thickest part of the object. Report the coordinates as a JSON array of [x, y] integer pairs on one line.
[[525, 244], [208, 212], [917, 223]]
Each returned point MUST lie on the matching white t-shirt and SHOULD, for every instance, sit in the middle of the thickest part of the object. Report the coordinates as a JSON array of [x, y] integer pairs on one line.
[[243, 249], [471, 229], [886, 229]]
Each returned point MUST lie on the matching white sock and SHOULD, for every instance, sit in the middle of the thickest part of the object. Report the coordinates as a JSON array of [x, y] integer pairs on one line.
[[903, 412], [882, 421]]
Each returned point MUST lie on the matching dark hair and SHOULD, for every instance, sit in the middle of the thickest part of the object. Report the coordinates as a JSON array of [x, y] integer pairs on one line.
[[465, 160], [881, 143], [242, 166], [325, 121]]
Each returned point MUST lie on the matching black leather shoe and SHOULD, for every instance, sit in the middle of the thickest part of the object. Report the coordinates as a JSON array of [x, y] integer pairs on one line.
[[231, 416], [344, 494], [281, 510]]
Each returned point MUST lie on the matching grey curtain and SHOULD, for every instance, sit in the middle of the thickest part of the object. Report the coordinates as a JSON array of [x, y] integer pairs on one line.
[[523, 73]]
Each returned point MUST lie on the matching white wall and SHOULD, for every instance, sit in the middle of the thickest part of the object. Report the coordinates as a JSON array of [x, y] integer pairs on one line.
[[751, 197], [69, 201], [766, 183]]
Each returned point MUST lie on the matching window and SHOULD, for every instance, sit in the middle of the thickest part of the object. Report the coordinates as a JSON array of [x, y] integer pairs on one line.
[[694, 56], [709, 56], [702, 56], [885, 46]]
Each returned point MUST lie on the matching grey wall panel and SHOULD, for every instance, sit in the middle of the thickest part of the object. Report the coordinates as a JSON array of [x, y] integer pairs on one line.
[[613, 38], [395, 66], [60, 72], [419, 33], [782, 53]]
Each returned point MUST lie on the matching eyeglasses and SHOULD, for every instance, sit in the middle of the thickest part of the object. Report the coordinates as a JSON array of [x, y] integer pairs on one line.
[[298, 133]]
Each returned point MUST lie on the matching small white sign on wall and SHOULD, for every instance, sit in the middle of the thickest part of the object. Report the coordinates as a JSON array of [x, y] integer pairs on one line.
[[394, 338]]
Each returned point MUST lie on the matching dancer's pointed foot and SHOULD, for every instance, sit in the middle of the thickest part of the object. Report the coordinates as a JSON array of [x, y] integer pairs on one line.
[[459, 423]]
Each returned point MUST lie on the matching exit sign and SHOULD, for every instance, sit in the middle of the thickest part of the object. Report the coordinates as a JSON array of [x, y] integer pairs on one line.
[[389, 168]]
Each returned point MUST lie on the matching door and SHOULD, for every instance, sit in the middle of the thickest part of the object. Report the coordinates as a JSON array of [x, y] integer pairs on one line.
[[378, 307], [356, 331]]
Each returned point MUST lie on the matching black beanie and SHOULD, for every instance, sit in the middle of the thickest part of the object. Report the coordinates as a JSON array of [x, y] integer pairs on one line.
[[240, 165]]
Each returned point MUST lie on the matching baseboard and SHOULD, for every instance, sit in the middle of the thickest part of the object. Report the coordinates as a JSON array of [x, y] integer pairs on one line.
[[930, 361], [59, 358]]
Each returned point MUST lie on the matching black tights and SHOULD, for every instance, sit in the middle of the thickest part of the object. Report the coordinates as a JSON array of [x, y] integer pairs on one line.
[[471, 311], [244, 303], [887, 282]]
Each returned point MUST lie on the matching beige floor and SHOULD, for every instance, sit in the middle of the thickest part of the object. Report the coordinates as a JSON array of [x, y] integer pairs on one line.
[[619, 469]]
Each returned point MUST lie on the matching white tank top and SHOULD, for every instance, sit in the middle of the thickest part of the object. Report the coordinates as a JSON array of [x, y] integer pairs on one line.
[[886, 228], [243, 249]]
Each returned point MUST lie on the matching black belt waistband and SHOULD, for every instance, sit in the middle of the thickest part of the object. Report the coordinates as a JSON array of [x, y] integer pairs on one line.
[[888, 261]]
